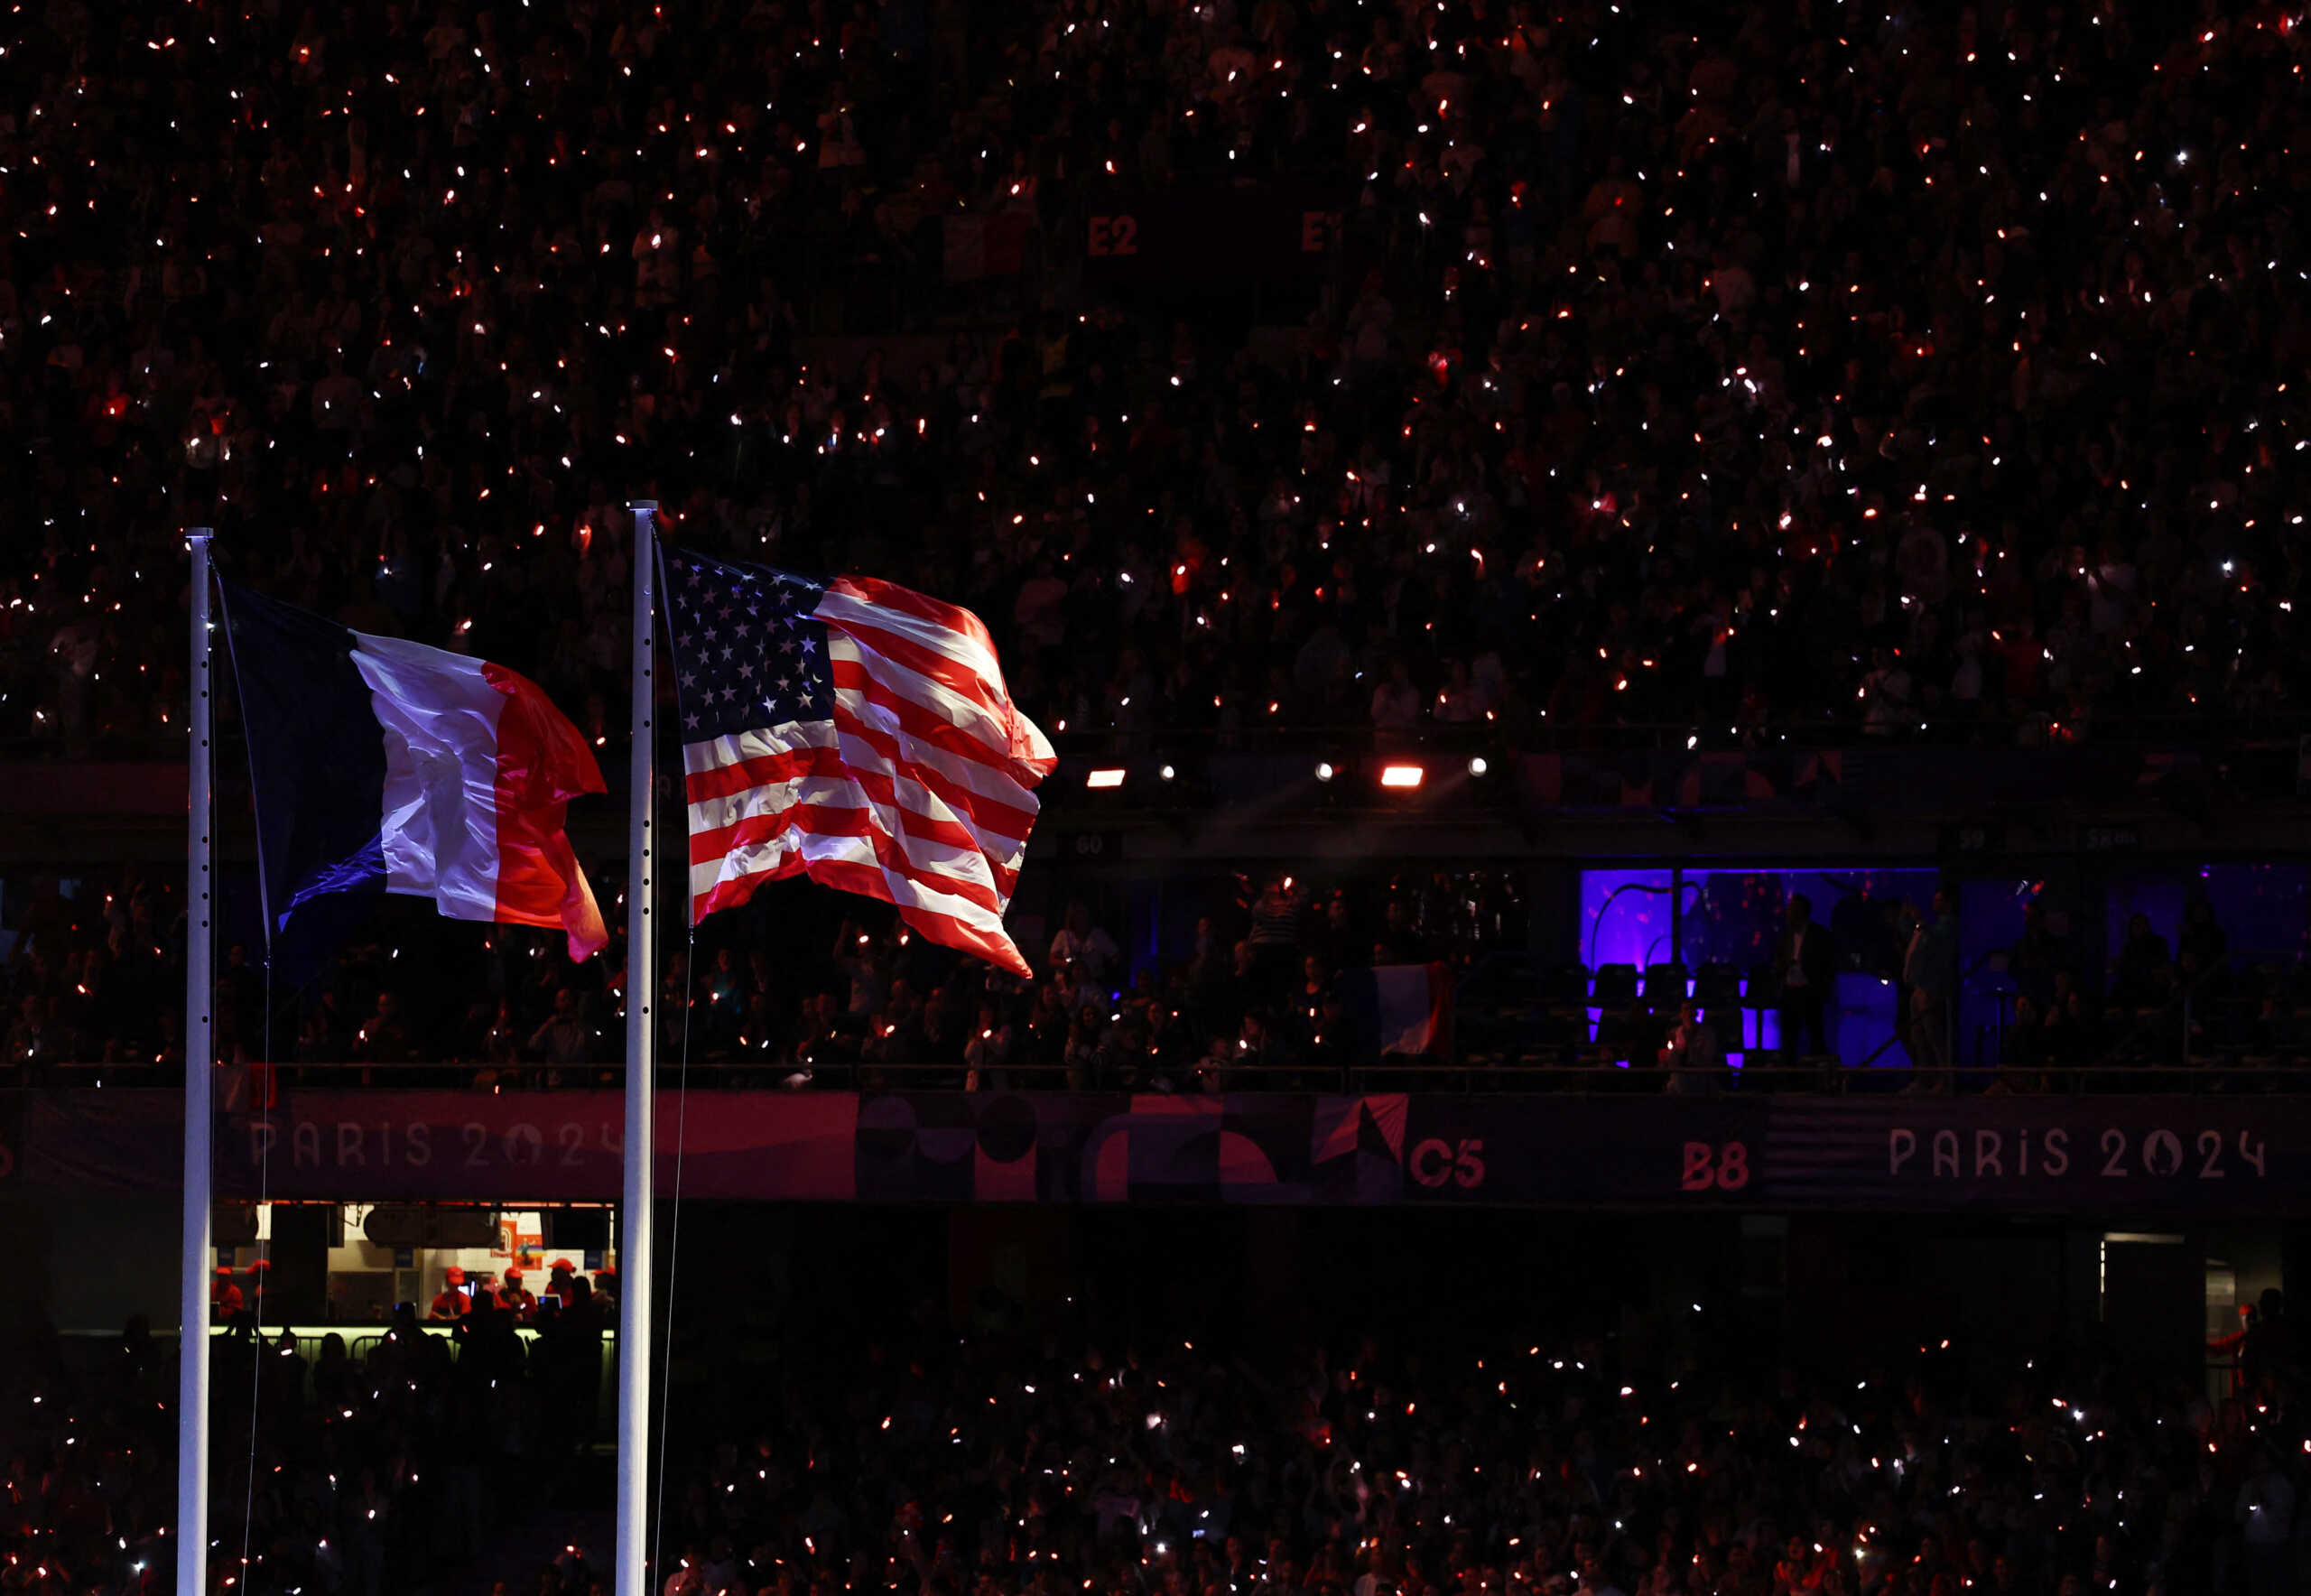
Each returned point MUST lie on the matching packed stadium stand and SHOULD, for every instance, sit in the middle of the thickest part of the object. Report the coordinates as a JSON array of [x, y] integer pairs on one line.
[[1669, 939]]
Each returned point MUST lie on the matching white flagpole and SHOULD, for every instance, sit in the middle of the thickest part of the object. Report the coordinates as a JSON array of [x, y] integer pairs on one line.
[[199, 1254], [633, 1267]]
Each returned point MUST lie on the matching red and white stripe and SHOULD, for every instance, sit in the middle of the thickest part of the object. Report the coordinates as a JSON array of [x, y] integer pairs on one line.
[[479, 770], [918, 792]]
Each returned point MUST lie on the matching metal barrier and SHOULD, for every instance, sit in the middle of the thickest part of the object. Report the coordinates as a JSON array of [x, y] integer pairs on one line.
[[309, 1338]]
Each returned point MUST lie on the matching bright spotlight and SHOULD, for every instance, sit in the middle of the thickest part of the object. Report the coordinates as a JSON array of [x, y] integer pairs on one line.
[[1477, 765], [1325, 770], [1167, 773], [1109, 778], [1401, 776]]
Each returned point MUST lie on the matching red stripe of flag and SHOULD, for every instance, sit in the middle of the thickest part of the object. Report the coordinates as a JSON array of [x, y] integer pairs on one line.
[[543, 763], [738, 889], [954, 617], [909, 655], [946, 930], [883, 790], [1008, 821], [919, 719], [728, 781], [710, 843], [918, 692], [818, 820]]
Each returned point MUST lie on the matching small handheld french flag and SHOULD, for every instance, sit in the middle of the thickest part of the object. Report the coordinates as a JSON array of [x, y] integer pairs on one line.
[[1399, 1008], [382, 766]]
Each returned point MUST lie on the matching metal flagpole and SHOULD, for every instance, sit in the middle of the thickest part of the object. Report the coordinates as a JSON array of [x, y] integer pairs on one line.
[[199, 1254], [641, 1120]]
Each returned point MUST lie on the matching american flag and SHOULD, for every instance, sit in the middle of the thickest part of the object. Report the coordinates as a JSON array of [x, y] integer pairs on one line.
[[854, 732]]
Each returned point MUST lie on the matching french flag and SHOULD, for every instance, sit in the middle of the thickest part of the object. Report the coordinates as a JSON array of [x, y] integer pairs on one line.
[[381, 765], [1399, 1008]]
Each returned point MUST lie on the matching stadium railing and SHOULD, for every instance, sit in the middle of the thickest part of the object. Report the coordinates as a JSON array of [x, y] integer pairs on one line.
[[1585, 1072], [1514, 730]]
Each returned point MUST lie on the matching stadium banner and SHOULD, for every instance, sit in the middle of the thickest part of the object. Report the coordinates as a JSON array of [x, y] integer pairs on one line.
[[2115, 1154], [1264, 232]]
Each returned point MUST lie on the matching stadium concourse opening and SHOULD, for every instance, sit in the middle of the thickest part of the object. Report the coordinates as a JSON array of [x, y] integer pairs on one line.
[[1589, 1398]]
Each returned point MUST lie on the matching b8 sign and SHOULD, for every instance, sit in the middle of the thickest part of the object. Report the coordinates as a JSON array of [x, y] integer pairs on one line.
[[1719, 1167]]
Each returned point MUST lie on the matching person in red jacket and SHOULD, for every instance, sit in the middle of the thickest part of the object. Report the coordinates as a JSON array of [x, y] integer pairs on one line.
[[515, 1297], [451, 1301], [224, 1298]]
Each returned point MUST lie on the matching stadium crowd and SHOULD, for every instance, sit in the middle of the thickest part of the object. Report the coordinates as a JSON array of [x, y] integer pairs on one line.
[[1804, 371], [94, 979], [1259, 994], [369, 1469], [1739, 369], [1007, 1463], [1366, 1467]]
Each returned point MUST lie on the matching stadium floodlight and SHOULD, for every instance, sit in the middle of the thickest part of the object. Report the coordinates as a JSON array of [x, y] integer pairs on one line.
[[1324, 772], [1479, 765], [1111, 776], [1401, 776]]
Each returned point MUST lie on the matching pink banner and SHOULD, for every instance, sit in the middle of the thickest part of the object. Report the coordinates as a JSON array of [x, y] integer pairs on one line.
[[2176, 1155], [550, 1146], [428, 1144]]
